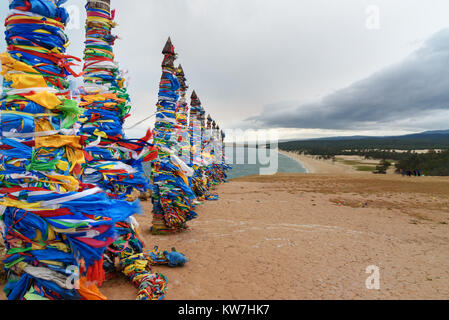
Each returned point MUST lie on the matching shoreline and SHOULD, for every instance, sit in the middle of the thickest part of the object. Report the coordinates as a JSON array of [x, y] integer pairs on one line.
[[314, 166], [296, 157], [308, 168]]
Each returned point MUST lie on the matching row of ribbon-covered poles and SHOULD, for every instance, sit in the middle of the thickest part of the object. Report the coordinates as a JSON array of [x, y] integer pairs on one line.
[[191, 157], [54, 225], [69, 177], [114, 162]]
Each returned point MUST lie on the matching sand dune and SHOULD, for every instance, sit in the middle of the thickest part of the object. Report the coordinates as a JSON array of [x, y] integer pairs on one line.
[[312, 237], [299, 236]]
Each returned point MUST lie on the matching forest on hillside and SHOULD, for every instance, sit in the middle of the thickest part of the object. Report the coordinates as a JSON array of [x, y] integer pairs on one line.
[[353, 145], [430, 164]]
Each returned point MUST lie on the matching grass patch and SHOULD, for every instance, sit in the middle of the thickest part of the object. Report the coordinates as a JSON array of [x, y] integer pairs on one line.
[[359, 166], [365, 168], [351, 162]]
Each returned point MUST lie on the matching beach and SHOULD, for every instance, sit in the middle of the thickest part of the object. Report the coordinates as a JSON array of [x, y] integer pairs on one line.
[[313, 165]]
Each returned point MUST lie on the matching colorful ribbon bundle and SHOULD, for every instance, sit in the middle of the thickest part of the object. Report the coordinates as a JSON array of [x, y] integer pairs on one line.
[[54, 226], [114, 163], [207, 142], [172, 196], [208, 155], [151, 286], [196, 160], [218, 174], [128, 239], [182, 113], [215, 172], [138, 268], [136, 264], [199, 158], [195, 130], [224, 167]]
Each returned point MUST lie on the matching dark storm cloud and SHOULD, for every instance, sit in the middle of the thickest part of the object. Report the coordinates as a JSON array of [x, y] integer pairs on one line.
[[414, 88]]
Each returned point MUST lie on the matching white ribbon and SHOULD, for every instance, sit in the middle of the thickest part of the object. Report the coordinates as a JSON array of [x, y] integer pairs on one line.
[[28, 90], [176, 160], [70, 198], [2, 224], [66, 132], [49, 275], [94, 143], [185, 168], [134, 222], [17, 176]]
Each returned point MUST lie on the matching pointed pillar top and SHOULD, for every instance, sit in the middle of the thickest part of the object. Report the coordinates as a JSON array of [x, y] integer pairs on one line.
[[180, 70], [209, 121], [168, 48], [181, 78], [169, 55], [99, 4], [195, 100]]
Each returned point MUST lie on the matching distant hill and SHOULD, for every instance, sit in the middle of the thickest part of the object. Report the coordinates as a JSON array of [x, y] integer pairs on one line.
[[439, 134], [418, 141], [341, 138], [436, 132]]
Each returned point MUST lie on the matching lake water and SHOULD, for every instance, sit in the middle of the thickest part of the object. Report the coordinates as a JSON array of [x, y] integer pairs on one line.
[[251, 161], [283, 164]]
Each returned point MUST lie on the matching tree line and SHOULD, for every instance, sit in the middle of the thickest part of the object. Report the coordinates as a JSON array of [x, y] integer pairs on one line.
[[433, 163]]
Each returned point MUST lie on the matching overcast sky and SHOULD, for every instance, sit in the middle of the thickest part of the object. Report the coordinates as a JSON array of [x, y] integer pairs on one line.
[[308, 67]]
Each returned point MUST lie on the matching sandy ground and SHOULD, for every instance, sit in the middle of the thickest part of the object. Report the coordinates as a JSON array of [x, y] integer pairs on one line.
[[312, 237], [299, 236]]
